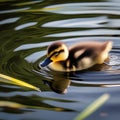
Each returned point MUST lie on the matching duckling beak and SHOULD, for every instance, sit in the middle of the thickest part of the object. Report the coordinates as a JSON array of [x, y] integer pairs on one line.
[[46, 62]]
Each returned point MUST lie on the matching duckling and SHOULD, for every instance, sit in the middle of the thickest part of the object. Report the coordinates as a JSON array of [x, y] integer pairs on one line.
[[77, 57]]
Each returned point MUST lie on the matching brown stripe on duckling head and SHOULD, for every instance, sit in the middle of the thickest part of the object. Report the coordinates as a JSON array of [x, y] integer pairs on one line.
[[56, 53], [54, 46]]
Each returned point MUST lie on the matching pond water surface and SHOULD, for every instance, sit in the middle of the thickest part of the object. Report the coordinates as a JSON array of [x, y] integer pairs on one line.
[[27, 28]]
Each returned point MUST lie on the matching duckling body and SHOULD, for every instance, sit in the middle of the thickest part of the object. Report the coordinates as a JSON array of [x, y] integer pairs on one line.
[[77, 57]]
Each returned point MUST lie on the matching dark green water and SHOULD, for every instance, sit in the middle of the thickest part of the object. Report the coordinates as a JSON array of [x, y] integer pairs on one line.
[[27, 28]]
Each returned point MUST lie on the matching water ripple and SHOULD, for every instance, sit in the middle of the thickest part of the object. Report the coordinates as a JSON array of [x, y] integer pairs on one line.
[[86, 32], [85, 8], [9, 20], [28, 3], [25, 25], [78, 23], [14, 10], [94, 22], [32, 58], [31, 46]]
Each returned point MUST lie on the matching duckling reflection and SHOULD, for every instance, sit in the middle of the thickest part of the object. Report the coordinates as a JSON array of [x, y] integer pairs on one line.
[[59, 84], [61, 81], [77, 57]]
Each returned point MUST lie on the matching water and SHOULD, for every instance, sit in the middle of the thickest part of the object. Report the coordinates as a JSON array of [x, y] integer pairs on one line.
[[27, 28]]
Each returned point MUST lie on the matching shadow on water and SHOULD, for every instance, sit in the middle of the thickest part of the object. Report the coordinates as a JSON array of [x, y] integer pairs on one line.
[[27, 28]]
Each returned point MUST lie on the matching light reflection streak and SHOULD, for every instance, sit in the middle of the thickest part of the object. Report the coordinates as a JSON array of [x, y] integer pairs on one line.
[[9, 20], [86, 32], [13, 10], [25, 25], [78, 22]]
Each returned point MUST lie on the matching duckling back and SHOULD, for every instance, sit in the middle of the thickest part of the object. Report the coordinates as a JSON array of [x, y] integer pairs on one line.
[[87, 54]]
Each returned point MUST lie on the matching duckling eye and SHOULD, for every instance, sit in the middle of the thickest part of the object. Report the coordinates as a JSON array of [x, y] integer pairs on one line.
[[57, 53]]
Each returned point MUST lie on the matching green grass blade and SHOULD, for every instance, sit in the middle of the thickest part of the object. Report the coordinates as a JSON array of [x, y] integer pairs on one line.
[[93, 107], [16, 105], [11, 104], [11, 80]]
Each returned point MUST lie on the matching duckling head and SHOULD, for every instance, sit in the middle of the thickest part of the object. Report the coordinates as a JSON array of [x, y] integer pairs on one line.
[[56, 52]]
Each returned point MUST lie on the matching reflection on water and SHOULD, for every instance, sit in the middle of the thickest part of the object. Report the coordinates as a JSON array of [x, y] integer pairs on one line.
[[25, 25], [78, 23], [9, 20], [85, 33], [27, 28], [85, 8], [12, 11], [59, 84]]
